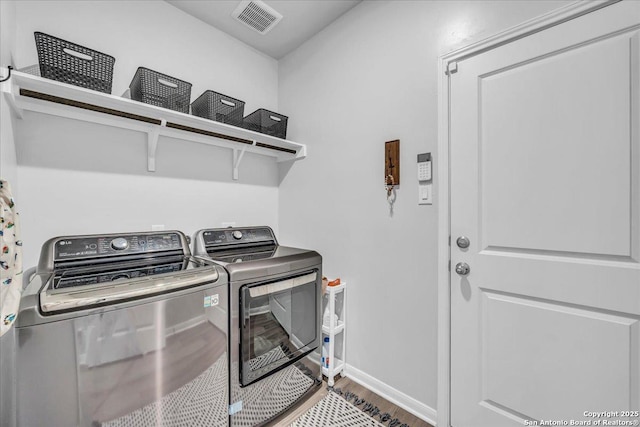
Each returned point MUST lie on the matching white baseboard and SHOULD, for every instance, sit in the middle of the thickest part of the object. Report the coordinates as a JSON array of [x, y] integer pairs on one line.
[[394, 396]]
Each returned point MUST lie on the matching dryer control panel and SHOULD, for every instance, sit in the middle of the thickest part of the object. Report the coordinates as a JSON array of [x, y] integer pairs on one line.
[[221, 237]]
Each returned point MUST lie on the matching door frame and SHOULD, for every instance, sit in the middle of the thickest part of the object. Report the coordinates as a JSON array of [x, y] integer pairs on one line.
[[555, 17]]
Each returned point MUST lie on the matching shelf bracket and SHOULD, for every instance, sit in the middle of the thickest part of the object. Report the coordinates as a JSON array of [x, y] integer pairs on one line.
[[152, 145], [302, 153], [237, 158]]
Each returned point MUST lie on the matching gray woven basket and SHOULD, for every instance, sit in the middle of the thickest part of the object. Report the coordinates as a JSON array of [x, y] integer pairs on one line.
[[152, 87], [221, 108], [74, 64]]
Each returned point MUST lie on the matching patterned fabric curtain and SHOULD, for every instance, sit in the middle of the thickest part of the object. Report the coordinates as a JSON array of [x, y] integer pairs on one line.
[[10, 259]]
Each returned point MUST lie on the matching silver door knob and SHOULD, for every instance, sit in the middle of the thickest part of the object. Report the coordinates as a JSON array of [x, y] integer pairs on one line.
[[462, 268]]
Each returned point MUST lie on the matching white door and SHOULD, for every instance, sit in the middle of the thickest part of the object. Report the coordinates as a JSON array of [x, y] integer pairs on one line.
[[545, 184]]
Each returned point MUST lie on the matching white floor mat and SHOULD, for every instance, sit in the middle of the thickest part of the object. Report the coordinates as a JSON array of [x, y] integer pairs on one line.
[[334, 411]]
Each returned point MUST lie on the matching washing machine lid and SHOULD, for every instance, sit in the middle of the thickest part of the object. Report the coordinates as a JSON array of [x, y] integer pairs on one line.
[[81, 288], [91, 274]]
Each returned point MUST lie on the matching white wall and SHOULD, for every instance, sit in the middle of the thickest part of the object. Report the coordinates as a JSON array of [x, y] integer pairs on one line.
[[8, 165], [115, 202], [78, 177], [368, 78], [8, 171]]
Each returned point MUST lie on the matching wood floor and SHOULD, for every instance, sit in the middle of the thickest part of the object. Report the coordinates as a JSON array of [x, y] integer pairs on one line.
[[267, 334], [347, 384]]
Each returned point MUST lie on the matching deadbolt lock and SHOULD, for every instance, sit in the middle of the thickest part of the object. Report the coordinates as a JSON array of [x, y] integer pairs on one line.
[[463, 242]]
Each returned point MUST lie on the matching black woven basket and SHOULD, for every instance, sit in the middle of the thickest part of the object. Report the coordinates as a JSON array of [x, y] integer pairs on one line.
[[74, 64], [152, 87], [268, 122], [221, 108]]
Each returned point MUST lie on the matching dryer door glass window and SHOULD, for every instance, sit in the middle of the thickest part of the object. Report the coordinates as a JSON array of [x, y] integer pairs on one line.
[[279, 324]]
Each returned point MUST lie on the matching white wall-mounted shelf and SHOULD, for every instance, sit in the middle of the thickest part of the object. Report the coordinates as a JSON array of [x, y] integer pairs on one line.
[[26, 92], [335, 330]]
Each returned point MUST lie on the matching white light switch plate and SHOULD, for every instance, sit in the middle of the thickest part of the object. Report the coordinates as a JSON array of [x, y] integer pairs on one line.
[[424, 194]]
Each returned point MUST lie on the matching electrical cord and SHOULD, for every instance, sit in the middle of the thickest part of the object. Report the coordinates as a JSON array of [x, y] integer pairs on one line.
[[8, 75]]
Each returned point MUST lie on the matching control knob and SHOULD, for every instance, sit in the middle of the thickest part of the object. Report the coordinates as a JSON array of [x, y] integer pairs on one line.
[[119, 244], [237, 234]]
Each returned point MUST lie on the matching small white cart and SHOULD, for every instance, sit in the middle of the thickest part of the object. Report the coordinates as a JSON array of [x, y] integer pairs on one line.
[[335, 330]]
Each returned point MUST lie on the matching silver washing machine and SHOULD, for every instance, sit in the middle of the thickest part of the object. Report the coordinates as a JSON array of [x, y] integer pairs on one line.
[[122, 330], [275, 303]]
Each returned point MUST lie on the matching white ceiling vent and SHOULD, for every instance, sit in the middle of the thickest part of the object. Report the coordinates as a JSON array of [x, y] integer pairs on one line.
[[257, 15]]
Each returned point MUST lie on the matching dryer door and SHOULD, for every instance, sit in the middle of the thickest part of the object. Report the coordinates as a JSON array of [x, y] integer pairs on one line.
[[279, 324]]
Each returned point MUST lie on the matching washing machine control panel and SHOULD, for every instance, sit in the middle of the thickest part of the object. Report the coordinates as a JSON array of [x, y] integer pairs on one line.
[[103, 246], [119, 243], [233, 236]]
